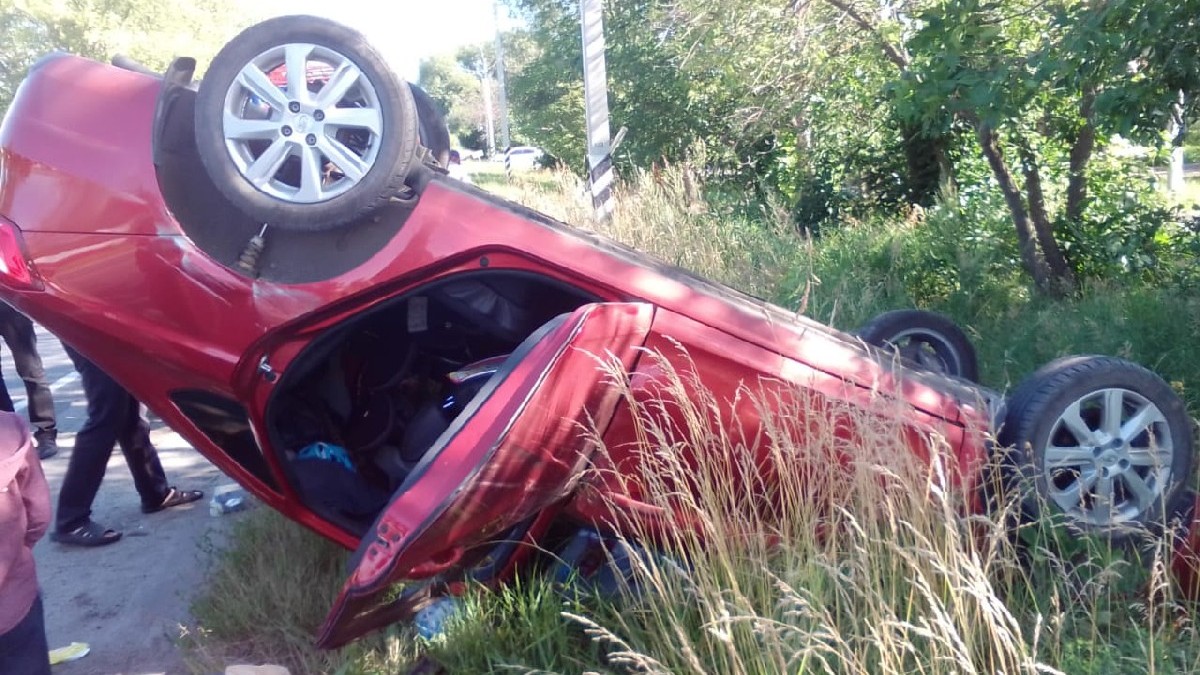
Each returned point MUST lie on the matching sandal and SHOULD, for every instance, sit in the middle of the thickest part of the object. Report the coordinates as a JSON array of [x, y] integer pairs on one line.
[[90, 533], [175, 497]]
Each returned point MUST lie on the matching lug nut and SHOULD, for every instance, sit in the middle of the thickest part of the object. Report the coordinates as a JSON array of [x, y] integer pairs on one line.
[[294, 107], [310, 139], [285, 130], [319, 115]]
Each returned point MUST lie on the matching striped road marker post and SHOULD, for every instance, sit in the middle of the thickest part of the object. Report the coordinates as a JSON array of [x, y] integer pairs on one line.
[[595, 91], [508, 164]]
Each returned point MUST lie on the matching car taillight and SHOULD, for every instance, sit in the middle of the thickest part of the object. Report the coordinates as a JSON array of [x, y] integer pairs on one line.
[[15, 269]]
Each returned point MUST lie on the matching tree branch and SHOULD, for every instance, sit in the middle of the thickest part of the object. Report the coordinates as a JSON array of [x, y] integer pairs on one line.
[[1063, 278], [1081, 154], [1031, 256], [893, 53]]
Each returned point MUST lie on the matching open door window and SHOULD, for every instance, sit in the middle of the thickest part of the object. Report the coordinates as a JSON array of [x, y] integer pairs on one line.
[[519, 446]]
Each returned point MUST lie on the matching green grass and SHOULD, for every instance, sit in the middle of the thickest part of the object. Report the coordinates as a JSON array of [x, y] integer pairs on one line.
[[907, 584], [267, 593], [1189, 198]]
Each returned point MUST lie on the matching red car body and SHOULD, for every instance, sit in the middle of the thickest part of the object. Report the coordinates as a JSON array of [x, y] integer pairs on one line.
[[94, 252]]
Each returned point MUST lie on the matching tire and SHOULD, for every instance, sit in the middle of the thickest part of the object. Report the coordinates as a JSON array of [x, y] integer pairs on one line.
[[1135, 479], [928, 340], [294, 160], [434, 133]]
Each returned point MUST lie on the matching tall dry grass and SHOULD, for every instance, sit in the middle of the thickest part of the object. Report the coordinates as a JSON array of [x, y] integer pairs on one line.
[[664, 213], [822, 543], [825, 544]]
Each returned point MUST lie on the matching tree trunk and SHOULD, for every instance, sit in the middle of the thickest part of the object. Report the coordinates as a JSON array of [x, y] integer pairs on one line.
[[1031, 257], [1081, 154], [1062, 276], [925, 160], [1176, 130]]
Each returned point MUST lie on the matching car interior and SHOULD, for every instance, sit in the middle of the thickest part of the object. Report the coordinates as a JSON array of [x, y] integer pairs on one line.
[[355, 413]]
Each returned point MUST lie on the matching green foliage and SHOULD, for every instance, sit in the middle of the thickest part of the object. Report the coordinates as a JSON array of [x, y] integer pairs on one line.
[[459, 95], [150, 31], [787, 98], [664, 110], [1122, 228]]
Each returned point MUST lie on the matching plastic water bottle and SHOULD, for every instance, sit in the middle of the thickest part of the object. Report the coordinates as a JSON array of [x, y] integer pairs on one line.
[[431, 620], [227, 499]]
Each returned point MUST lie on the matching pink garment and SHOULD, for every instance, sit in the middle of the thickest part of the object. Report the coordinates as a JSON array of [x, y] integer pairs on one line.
[[24, 517]]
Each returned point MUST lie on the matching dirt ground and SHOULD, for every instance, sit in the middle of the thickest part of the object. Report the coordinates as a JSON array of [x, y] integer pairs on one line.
[[128, 600]]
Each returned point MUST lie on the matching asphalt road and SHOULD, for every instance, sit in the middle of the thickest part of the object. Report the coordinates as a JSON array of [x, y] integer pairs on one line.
[[128, 601]]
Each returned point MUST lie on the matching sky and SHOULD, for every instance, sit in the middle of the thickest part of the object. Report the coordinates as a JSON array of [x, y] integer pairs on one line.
[[404, 31]]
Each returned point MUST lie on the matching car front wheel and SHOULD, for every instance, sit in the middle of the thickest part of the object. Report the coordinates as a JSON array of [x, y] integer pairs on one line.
[[924, 339]]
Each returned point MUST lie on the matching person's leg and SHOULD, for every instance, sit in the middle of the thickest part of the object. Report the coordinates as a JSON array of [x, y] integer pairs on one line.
[[107, 406], [24, 648], [133, 436], [18, 332], [147, 470]]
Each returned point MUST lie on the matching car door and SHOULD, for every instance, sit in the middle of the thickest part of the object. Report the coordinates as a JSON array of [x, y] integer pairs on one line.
[[520, 446]]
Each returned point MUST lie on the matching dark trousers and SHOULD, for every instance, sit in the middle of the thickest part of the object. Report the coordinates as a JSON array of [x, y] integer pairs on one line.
[[114, 416], [23, 649], [18, 334]]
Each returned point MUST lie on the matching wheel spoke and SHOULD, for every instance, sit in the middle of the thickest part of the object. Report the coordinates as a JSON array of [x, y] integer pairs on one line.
[[1146, 457], [1148, 415], [1072, 497], [350, 164], [355, 118], [311, 175], [255, 80], [1076, 425], [263, 169], [1114, 406], [238, 128], [1104, 495], [1062, 457], [1141, 492], [296, 63], [339, 83]]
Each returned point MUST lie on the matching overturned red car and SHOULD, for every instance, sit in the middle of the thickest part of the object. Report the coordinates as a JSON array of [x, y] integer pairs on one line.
[[274, 261]]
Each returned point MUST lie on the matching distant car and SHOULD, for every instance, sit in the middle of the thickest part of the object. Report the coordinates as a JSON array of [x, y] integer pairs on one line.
[[280, 268], [523, 157]]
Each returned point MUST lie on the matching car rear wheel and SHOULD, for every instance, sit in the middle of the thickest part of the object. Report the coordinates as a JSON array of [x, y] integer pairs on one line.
[[302, 125], [926, 339], [1102, 441]]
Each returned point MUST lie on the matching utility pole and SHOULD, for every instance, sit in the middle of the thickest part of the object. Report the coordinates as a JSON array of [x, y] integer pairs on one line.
[[505, 141], [485, 85], [595, 92]]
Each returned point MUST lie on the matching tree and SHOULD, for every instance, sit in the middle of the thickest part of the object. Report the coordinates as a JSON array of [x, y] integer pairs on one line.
[[1042, 85], [458, 94], [665, 109], [150, 31]]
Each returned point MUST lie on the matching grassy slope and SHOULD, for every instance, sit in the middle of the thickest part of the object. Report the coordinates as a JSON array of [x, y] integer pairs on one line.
[[907, 586]]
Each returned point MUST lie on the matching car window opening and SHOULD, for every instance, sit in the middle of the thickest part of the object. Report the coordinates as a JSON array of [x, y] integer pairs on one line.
[[356, 413]]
